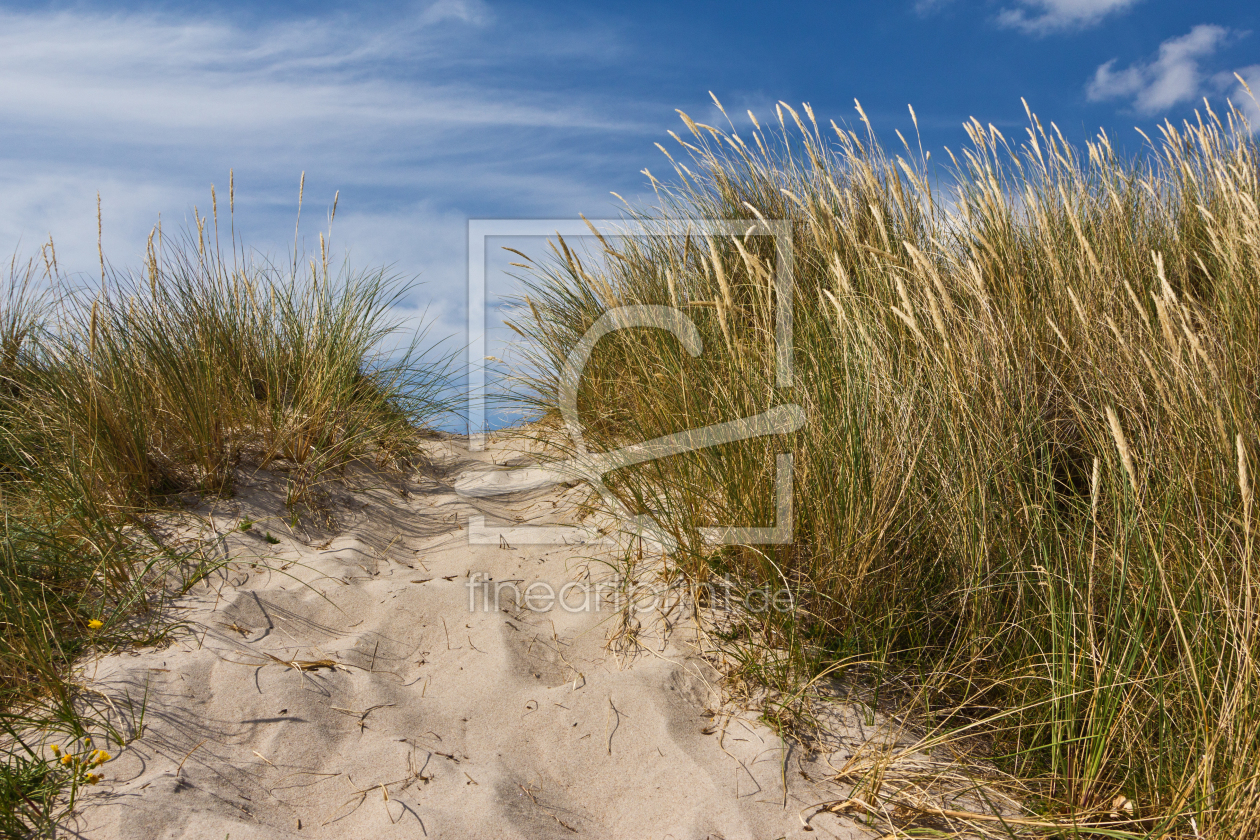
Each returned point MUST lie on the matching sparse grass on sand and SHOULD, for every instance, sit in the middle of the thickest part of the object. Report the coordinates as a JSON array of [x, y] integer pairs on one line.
[[115, 401], [1025, 487]]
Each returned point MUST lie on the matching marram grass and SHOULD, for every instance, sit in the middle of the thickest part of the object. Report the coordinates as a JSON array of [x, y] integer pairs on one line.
[[1026, 482], [117, 401]]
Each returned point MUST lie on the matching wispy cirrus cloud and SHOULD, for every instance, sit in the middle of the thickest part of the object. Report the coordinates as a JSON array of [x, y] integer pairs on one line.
[[1040, 17], [1174, 76], [424, 118], [142, 74]]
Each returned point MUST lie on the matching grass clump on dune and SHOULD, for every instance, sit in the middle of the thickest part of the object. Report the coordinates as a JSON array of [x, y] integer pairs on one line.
[[177, 375], [163, 382], [1025, 485]]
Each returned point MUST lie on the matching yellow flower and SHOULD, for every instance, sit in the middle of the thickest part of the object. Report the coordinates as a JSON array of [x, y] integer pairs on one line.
[[96, 624], [93, 778], [102, 756], [56, 751], [66, 759], [87, 742]]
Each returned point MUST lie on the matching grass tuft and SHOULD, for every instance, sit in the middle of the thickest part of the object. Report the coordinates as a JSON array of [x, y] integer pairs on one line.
[[123, 401], [1023, 487]]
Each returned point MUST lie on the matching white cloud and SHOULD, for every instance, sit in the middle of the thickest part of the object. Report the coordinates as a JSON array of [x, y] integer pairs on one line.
[[1038, 17], [1171, 78], [419, 121]]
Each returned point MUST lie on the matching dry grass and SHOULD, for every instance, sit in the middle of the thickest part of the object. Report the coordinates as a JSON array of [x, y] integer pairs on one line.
[[1025, 483]]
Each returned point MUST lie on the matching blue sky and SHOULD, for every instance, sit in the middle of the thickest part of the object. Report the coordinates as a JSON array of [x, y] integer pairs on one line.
[[427, 114]]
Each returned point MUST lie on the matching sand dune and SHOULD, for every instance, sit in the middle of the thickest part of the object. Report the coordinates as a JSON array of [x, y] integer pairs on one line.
[[338, 685]]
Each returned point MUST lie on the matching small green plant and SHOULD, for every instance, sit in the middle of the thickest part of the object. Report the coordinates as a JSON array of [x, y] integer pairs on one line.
[[33, 787], [81, 765], [270, 539], [245, 524]]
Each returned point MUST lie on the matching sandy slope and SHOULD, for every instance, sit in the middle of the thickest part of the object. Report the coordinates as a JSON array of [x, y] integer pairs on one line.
[[414, 716]]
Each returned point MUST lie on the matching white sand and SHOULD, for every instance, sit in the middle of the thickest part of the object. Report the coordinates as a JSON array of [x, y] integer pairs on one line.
[[435, 721]]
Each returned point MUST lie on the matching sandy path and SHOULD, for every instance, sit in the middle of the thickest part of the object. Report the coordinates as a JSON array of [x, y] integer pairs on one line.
[[434, 720]]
